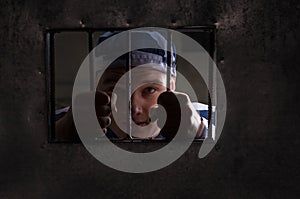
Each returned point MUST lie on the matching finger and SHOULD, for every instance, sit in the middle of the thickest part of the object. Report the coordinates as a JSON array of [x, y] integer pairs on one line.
[[101, 98], [103, 111], [114, 102], [158, 113], [169, 101], [167, 98], [200, 129], [104, 121]]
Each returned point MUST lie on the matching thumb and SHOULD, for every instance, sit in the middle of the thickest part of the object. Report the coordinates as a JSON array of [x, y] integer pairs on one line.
[[172, 107], [113, 102], [158, 113]]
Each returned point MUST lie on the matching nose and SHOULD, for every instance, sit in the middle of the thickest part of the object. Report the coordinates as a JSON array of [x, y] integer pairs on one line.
[[136, 109]]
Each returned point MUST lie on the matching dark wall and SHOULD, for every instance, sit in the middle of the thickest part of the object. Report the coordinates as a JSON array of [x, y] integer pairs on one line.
[[258, 57]]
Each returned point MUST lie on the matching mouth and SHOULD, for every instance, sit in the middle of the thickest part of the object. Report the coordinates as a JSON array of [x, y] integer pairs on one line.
[[143, 123]]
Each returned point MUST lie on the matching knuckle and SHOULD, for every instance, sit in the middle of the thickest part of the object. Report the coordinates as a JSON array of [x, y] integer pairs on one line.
[[183, 98], [102, 98], [104, 121]]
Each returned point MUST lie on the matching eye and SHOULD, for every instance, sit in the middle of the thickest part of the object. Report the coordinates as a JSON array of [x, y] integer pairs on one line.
[[149, 90]]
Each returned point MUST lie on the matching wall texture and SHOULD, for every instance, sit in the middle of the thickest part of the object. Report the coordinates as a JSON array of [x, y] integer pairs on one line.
[[258, 57]]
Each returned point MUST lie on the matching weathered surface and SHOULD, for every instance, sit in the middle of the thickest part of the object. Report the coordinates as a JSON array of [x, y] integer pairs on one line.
[[256, 156]]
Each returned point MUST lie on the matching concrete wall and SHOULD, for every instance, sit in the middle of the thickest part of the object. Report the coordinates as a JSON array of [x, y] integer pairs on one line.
[[258, 54]]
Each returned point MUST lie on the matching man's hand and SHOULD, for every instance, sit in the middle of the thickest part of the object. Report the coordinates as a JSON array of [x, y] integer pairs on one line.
[[103, 110], [191, 120], [65, 127]]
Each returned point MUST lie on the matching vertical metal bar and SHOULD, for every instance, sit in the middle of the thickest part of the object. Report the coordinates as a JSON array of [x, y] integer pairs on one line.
[[128, 86], [212, 87], [169, 59], [50, 82], [91, 61], [215, 102]]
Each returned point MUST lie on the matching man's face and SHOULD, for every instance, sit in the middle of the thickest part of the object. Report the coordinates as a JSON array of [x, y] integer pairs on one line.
[[143, 98]]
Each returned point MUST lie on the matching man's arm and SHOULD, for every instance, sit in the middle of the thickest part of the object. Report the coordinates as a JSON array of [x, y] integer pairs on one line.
[[65, 127]]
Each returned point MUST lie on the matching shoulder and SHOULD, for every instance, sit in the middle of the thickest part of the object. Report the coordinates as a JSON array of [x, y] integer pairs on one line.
[[61, 112], [200, 106]]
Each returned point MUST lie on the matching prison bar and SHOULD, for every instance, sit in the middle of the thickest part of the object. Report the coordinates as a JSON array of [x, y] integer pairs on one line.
[[169, 59], [128, 86]]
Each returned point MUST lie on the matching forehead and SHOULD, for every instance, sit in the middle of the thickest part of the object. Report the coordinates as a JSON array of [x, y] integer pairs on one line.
[[115, 73]]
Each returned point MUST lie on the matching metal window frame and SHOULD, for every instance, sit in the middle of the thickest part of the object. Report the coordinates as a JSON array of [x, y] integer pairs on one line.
[[50, 74]]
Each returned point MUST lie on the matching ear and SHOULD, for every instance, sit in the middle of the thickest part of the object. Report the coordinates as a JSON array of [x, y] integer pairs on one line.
[[173, 83]]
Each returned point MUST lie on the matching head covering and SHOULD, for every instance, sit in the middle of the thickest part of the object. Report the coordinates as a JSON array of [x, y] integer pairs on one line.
[[157, 56]]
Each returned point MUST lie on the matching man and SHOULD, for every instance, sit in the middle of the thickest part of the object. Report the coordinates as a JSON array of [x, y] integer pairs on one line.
[[148, 90]]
